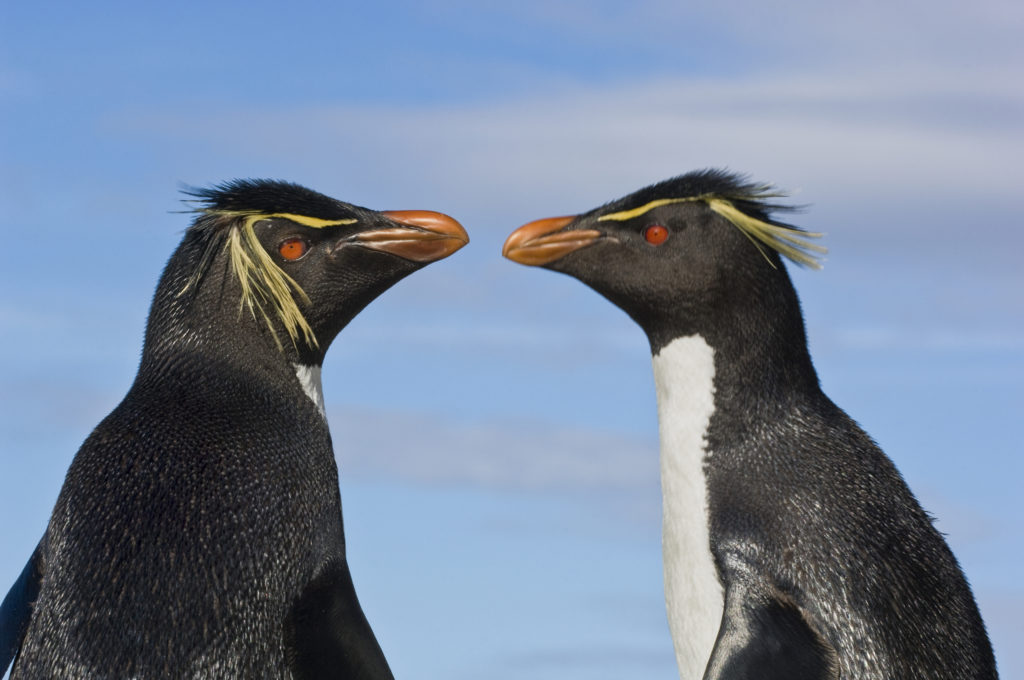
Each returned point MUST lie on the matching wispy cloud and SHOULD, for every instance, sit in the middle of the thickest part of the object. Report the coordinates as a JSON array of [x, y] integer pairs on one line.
[[868, 33], [418, 447], [925, 339], [504, 338], [612, 661], [890, 135], [1002, 617]]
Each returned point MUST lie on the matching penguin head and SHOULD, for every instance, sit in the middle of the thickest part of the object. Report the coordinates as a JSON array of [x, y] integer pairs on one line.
[[298, 263], [674, 254]]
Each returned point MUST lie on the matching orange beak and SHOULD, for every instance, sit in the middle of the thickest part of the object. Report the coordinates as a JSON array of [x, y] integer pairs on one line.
[[425, 236], [543, 241]]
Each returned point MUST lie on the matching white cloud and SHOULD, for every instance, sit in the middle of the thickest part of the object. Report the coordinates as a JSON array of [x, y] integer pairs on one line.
[[1001, 609], [820, 34], [927, 339], [887, 135], [607, 661], [501, 339], [417, 447]]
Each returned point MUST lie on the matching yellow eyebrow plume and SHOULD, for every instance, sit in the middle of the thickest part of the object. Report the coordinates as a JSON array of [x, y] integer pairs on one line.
[[304, 220], [264, 284], [645, 208], [263, 281], [788, 241]]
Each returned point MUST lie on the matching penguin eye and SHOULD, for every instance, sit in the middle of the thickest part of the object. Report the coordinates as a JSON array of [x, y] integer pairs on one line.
[[293, 248], [655, 234]]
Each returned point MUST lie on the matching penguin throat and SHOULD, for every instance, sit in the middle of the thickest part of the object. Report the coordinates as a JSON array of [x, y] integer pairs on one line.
[[684, 374], [309, 378]]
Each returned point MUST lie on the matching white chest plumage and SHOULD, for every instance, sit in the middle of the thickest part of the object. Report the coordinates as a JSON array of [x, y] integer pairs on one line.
[[684, 373], [309, 378]]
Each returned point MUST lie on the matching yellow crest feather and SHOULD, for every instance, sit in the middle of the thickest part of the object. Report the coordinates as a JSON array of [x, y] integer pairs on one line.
[[263, 282], [624, 215], [266, 290], [788, 241]]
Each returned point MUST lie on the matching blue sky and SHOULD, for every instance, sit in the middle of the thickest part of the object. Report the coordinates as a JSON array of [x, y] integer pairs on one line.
[[501, 499]]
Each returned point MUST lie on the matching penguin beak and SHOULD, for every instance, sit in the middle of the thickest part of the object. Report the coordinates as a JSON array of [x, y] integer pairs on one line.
[[544, 241], [425, 236]]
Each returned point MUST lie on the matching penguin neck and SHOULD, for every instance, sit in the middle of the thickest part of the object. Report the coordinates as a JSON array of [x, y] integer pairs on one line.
[[684, 377], [204, 332], [762, 368]]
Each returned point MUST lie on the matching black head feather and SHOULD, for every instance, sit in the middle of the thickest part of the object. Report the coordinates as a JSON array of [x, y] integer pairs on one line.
[[247, 196], [226, 215], [745, 204]]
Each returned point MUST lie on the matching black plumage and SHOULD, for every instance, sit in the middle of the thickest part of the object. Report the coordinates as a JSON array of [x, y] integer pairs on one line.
[[826, 564], [199, 531]]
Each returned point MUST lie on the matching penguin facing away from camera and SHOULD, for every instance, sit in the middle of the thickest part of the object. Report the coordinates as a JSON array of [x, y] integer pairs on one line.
[[199, 530], [792, 546]]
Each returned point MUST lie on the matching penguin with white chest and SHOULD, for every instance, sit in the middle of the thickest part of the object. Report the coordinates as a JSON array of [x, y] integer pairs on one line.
[[793, 549], [198, 533]]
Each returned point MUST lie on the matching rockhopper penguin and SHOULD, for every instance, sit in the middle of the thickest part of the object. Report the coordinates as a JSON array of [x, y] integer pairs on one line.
[[198, 533], [793, 549]]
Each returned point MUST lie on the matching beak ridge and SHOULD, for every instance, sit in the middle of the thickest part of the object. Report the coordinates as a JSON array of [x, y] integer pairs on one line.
[[423, 235], [544, 241]]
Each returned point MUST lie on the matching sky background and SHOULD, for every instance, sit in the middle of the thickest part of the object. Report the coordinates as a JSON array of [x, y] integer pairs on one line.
[[495, 425]]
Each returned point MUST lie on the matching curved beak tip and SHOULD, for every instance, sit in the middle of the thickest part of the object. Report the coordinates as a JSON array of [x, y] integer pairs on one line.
[[543, 241], [424, 235], [435, 222]]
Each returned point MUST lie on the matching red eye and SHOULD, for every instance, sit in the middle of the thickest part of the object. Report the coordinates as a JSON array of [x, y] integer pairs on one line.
[[293, 248], [655, 234]]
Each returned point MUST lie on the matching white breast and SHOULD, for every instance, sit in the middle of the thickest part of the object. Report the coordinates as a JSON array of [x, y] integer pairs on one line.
[[309, 378], [684, 374]]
